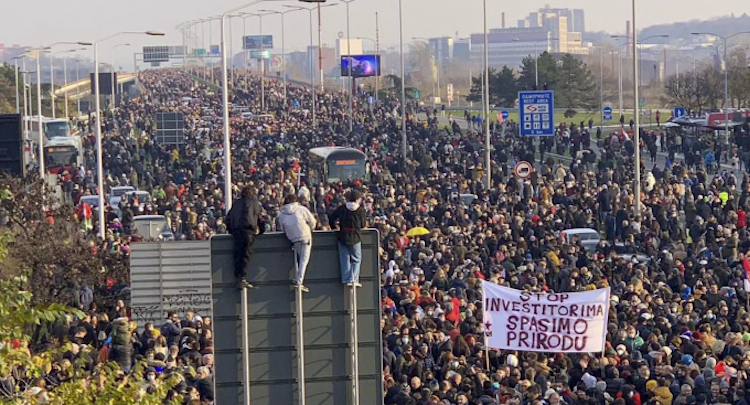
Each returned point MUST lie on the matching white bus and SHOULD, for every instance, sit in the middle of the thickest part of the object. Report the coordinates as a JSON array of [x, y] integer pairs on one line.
[[61, 153], [53, 128]]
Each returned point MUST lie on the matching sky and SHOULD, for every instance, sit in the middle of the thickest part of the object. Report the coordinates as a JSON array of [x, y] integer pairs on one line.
[[90, 20]]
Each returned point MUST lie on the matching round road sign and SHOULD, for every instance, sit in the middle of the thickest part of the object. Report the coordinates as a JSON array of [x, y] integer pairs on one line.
[[523, 170]]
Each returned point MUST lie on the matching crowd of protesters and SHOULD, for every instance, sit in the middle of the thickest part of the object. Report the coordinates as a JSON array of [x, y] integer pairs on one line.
[[679, 327]]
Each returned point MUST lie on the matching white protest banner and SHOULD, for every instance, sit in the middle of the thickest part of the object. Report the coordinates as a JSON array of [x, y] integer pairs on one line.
[[541, 322]]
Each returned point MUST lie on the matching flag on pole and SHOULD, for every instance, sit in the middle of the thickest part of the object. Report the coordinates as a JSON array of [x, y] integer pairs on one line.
[[746, 273]]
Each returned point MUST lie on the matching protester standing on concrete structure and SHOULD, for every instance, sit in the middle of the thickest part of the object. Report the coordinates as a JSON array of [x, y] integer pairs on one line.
[[297, 223], [351, 219], [243, 222]]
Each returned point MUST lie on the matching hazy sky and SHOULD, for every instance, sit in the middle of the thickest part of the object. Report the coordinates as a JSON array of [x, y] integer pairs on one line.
[[35, 22]]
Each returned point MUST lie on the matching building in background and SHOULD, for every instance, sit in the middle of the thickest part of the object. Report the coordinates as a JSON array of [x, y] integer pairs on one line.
[[543, 32], [355, 46], [442, 49], [329, 61]]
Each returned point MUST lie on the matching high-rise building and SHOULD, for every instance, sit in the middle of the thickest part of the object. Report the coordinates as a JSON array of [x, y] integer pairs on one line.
[[544, 30], [442, 49]]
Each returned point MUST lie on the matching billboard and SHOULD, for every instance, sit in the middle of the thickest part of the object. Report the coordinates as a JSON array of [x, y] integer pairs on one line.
[[272, 332], [156, 54], [105, 80], [362, 65], [215, 49], [260, 54], [255, 42], [11, 145]]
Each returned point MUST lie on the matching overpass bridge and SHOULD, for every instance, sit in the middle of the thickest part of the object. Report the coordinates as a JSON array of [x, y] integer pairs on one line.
[[82, 88]]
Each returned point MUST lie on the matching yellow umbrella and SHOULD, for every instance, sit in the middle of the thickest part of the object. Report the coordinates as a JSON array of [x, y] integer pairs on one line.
[[417, 231]]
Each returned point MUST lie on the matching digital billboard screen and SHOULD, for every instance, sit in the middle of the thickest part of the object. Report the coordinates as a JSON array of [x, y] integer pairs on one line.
[[362, 65]]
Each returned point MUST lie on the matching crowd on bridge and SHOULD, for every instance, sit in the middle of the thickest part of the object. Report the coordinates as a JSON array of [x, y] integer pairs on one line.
[[679, 327]]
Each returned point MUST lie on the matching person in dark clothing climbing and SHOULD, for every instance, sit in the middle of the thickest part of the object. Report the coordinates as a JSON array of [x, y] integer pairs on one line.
[[244, 223], [351, 219]]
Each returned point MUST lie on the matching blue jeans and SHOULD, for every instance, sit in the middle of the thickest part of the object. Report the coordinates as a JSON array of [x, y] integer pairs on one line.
[[350, 258]]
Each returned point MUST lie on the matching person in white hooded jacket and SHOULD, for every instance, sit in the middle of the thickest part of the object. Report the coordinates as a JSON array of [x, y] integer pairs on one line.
[[297, 223]]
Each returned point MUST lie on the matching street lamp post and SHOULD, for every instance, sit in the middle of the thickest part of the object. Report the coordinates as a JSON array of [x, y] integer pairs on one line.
[[488, 166], [97, 100], [283, 46], [726, 76], [636, 119], [536, 59], [349, 57], [39, 52], [403, 77]]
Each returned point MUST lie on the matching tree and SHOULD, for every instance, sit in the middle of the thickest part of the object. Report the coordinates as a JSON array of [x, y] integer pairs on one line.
[[548, 72], [8, 89], [423, 68], [679, 90], [48, 244], [503, 87], [576, 85]]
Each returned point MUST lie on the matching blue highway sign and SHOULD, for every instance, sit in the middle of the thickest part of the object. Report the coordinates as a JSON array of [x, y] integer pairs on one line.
[[536, 110]]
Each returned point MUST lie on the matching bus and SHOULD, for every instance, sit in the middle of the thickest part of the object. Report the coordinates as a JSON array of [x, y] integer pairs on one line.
[[53, 128], [61, 153], [336, 163]]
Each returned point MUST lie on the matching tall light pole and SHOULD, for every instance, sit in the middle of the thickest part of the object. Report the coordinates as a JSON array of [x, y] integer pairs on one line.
[[601, 83], [99, 152], [488, 166], [349, 57], [403, 76], [726, 76], [283, 46], [436, 75], [377, 52], [261, 59], [65, 77], [636, 119], [227, 129], [536, 59], [78, 91], [39, 51], [638, 43], [619, 68], [312, 60], [114, 85], [15, 70]]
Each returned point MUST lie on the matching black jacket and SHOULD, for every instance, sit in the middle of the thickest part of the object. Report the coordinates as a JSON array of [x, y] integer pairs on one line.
[[245, 216], [350, 224]]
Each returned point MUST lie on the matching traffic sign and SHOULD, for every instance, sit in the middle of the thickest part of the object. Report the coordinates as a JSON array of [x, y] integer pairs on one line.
[[449, 91], [505, 115], [260, 54], [607, 114], [370, 100], [523, 170], [679, 112], [537, 113]]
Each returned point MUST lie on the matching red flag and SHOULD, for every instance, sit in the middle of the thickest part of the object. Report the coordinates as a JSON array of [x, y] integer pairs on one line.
[[499, 117], [746, 267]]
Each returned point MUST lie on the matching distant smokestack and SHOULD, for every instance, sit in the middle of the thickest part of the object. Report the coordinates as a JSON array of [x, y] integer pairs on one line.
[[665, 62], [628, 38], [503, 14]]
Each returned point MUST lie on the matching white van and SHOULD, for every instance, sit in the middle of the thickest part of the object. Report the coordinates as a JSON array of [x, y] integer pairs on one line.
[[153, 227], [589, 237]]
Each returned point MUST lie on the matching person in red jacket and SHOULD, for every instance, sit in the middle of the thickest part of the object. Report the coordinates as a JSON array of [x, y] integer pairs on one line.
[[741, 218]]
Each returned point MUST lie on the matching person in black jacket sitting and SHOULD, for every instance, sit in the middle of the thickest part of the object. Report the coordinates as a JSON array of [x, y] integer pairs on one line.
[[351, 219], [243, 222]]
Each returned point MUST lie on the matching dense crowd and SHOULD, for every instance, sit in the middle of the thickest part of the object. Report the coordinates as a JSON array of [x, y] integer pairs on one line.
[[679, 327]]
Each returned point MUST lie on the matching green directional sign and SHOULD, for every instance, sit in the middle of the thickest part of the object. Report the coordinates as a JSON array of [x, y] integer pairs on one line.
[[260, 54]]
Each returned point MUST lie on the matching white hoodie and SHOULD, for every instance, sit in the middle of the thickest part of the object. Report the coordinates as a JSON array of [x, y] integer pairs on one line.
[[296, 222]]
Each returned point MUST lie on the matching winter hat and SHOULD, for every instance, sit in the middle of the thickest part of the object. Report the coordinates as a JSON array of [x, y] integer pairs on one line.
[[687, 359], [601, 386], [512, 360]]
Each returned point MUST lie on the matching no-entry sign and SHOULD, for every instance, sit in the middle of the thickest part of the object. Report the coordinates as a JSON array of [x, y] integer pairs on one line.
[[523, 170]]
